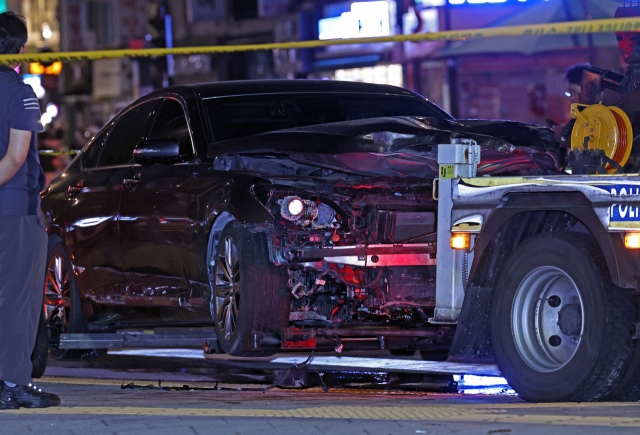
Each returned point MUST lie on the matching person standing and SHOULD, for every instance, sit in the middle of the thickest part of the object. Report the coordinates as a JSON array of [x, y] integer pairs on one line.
[[23, 239]]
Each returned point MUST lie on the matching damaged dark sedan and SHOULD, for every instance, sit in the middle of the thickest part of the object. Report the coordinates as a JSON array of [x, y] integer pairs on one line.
[[287, 214]]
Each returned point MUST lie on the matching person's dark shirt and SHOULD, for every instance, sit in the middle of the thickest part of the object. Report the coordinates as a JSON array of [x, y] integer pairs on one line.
[[20, 110]]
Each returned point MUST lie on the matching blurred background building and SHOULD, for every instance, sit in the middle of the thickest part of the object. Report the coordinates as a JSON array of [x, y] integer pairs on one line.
[[520, 78]]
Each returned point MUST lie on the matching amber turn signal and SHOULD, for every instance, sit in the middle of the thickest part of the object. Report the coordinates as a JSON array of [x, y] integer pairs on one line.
[[460, 241], [632, 240]]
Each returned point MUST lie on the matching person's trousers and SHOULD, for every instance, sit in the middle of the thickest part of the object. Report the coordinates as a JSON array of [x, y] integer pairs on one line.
[[23, 254]]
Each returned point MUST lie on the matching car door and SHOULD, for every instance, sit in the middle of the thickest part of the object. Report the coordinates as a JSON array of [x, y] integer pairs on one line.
[[93, 202], [153, 223]]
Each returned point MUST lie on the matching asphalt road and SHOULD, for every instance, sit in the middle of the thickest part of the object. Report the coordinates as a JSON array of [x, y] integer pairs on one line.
[[121, 394]]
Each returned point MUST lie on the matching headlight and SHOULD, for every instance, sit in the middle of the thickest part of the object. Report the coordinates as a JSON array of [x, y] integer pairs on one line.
[[294, 208]]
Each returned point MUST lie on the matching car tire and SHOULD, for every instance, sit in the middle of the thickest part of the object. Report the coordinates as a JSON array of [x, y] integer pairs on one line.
[[62, 304], [249, 293], [560, 329], [40, 350]]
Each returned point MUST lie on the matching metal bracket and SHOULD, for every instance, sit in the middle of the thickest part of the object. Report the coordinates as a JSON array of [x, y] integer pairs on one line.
[[456, 160]]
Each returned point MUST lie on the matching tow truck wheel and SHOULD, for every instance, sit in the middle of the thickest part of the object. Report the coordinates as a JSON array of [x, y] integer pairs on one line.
[[628, 389], [561, 331], [249, 293], [62, 305]]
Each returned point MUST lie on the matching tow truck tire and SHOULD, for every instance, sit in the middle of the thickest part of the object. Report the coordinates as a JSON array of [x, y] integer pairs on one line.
[[628, 388], [249, 294], [60, 283], [561, 331]]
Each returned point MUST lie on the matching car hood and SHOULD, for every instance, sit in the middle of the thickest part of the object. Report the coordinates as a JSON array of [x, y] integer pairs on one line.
[[400, 146]]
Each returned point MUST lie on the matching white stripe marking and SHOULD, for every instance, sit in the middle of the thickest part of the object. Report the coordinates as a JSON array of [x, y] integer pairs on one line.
[[31, 108], [30, 99]]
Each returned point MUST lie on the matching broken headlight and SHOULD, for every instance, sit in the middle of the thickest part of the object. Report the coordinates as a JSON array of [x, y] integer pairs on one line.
[[305, 212]]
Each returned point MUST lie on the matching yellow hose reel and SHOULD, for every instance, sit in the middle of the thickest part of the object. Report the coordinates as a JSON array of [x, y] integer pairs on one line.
[[607, 128]]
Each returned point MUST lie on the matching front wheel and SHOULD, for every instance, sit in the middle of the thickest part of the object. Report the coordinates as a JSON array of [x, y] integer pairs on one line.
[[249, 293], [561, 331], [62, 304]]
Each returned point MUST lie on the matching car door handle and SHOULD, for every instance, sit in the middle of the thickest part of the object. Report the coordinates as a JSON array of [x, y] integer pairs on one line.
[[76, 188], [131, 181]]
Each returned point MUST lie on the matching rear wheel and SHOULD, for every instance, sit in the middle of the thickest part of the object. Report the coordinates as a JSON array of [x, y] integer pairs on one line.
[[561, 331], [249, 293], [62, 304], [40, 350]]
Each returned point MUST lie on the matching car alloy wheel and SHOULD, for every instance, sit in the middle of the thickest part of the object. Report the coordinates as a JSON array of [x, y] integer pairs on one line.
[[57, 291], [227, 287]]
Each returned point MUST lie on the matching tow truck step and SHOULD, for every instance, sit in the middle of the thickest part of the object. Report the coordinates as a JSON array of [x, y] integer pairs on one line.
[[165, 337]]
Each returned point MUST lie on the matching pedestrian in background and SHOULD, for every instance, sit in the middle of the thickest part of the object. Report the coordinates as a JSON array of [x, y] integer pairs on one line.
[[573, 76], [23, 239]]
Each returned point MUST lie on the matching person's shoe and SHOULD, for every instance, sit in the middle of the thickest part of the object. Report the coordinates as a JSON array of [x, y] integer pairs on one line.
[[7, 404], [27, 396]]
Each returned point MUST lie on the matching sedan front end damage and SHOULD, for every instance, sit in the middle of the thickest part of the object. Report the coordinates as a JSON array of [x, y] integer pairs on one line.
[[355, 225]]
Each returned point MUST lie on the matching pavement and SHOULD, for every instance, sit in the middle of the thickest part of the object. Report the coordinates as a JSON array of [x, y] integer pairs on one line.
[[104, 407], [157, 393]]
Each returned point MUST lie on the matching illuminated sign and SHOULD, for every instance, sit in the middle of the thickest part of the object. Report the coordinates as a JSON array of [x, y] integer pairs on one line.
[[365, 19], [54, 69], [430, 3], [483, 2]]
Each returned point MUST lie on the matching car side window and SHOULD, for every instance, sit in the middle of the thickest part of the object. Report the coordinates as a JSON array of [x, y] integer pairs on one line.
[[171, 123], [91, 154], [130, 128]]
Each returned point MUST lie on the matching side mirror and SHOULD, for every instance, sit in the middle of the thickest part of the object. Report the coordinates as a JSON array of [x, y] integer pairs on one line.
[[152, 151]]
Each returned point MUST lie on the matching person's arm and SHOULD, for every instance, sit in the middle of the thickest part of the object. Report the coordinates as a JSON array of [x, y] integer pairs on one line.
[[19, 142]]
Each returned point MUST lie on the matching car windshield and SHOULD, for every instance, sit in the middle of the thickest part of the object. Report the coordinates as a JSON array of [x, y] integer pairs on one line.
[[234, 117]]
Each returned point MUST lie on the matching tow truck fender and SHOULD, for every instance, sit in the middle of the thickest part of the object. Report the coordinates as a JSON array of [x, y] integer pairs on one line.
[[621, 263]]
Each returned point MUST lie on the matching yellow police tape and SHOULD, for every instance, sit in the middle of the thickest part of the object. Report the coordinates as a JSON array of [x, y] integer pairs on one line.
[[564, 28]]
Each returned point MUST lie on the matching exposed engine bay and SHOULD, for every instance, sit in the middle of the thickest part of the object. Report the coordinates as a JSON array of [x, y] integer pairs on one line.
[[358, 255]]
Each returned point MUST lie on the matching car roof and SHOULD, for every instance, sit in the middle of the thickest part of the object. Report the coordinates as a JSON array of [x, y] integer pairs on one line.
[[252, 87]]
